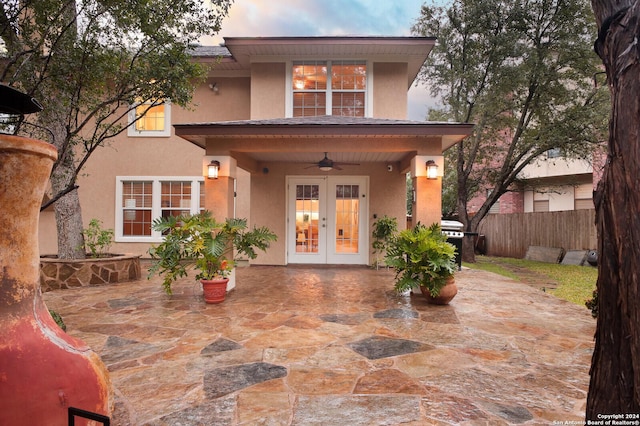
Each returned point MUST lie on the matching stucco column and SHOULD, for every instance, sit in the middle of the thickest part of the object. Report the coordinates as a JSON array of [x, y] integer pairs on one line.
[[219, 195], [427, 193], [220, 192]]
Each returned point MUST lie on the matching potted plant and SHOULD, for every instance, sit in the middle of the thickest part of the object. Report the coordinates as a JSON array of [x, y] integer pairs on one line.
[[383, 231], [422, 258], [201, 242]]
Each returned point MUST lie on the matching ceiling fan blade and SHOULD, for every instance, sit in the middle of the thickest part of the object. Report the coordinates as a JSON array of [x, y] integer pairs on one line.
[[346, 164], [337, 167]]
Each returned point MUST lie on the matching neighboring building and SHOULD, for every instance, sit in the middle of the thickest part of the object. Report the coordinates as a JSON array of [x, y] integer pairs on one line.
[[552, 183], [271, 110], [555, 183]]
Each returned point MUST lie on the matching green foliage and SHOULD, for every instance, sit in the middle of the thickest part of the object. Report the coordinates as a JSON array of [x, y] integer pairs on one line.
[[58, 319], [200, 242], [96, 239], [384, 230], [422, 257], [523, 72]]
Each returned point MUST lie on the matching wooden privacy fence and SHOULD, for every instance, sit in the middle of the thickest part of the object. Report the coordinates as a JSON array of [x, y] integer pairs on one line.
[[510, 235]]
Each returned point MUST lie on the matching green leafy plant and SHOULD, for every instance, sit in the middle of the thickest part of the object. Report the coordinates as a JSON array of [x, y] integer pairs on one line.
[[200, 242], [96, 239], [58, 319], [421, 257], [383, 231]]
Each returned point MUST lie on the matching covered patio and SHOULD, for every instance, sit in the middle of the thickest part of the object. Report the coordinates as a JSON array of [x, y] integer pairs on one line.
[[303, 345], [319, 182]]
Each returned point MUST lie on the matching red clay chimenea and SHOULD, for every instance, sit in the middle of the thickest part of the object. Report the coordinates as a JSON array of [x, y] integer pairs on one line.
[[43, 371]]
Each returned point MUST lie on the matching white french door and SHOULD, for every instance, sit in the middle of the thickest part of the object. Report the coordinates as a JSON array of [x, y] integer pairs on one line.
[[327, 220]]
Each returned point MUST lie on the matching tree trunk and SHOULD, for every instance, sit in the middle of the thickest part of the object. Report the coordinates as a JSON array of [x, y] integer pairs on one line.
[[468, 245], [69, 226], [67, 209], [615, 369]]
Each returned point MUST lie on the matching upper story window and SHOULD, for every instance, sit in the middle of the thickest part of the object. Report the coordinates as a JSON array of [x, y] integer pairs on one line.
[[150, 119], [329, 88]]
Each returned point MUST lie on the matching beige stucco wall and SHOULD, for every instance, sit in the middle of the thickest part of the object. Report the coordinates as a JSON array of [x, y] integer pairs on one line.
[[238, 98], [268, 90], [232, 101], [143, 156], [390, 90]]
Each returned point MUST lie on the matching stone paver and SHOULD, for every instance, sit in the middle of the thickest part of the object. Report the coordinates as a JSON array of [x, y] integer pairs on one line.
[[334, 346]]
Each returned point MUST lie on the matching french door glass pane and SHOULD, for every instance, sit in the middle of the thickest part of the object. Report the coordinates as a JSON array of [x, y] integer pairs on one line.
[[307, 215], [347, 220]]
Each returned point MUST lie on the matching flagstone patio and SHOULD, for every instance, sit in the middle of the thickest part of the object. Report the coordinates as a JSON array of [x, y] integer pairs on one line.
[[335, 346]]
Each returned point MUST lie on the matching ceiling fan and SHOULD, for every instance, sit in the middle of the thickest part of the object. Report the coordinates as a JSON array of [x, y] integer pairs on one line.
[[326, 164]]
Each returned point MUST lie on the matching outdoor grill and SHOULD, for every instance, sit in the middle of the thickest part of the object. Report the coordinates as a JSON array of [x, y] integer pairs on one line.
[[453, 230]]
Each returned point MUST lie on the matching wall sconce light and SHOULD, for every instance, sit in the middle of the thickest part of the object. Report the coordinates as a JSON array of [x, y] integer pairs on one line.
[[212, 169], [214, 87], [432, 169]]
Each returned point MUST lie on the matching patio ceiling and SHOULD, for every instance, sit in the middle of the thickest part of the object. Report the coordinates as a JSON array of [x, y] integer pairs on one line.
[[306, 139]]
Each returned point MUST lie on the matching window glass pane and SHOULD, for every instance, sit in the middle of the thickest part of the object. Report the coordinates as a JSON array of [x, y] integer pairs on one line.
[[202, 196], [348, 104], [309, 104], [175, 198], [310, 76], [153, 120], [136, 204], [348, 75]]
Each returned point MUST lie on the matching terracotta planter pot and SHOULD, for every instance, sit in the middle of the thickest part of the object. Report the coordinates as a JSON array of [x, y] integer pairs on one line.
[[215, 290], [446, 295], [43, 371]]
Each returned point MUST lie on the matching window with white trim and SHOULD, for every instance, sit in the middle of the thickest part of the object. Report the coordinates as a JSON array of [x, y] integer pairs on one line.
[[329, 88], [141, 199], [150, 119]]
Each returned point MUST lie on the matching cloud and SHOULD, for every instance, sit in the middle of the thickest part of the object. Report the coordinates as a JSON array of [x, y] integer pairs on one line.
[[255, 18], [260, 18]]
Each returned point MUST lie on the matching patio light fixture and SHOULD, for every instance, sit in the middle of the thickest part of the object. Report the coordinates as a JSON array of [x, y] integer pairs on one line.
[[432, 169], [213, 169]]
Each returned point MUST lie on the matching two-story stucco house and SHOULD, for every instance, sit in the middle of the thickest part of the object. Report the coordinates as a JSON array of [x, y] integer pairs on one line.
[[277, 117]]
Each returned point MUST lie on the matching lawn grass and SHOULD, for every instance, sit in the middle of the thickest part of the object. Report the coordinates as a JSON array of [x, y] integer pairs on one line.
[[575, 283]]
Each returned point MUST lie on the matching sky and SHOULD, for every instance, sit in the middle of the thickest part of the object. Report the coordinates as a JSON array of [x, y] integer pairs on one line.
[[263, 18]]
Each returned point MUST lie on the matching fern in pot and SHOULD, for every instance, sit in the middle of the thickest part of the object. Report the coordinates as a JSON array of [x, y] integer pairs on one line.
[[422, 258]]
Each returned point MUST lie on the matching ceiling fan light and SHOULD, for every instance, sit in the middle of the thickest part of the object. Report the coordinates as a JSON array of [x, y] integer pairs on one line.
[[326, 168]]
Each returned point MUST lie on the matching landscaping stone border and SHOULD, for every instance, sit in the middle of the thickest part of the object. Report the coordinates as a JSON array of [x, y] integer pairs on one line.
[[60, 274]]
